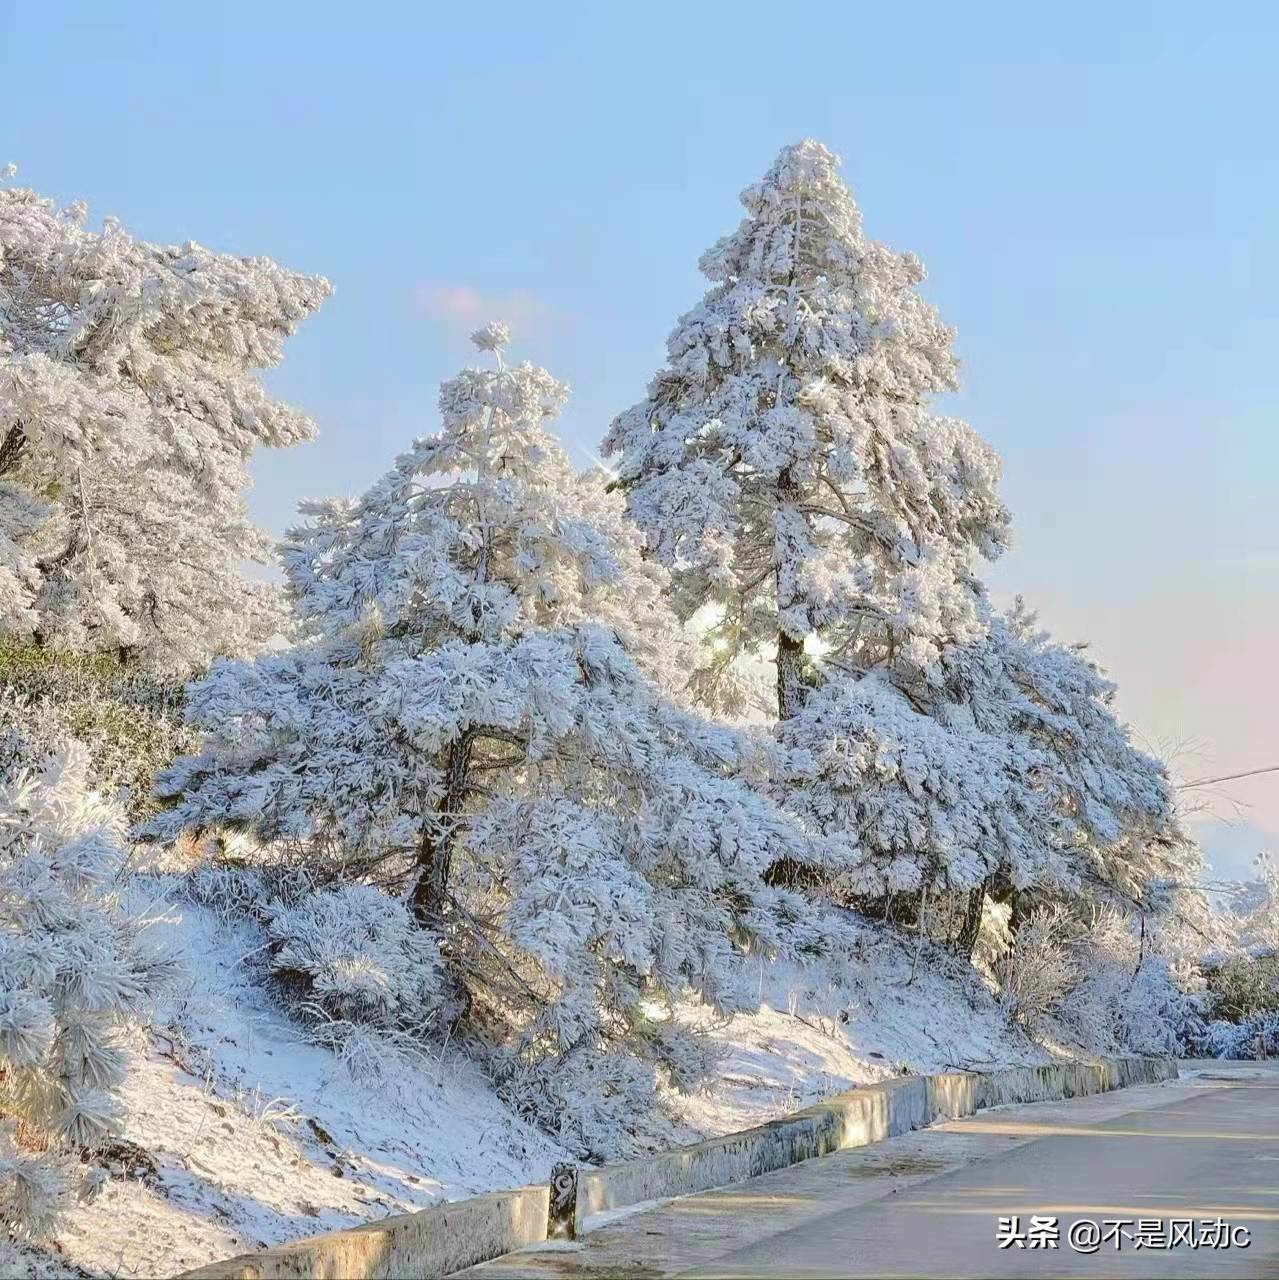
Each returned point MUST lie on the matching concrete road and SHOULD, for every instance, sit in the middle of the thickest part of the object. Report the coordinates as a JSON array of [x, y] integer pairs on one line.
[[929, 1204]]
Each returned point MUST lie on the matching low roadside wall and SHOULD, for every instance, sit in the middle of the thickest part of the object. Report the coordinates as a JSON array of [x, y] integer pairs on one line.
[[432, 1242], [864, 1115], [450, 1237]]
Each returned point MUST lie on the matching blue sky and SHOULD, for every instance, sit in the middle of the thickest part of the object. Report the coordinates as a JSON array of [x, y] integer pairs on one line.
[[1092, 186]]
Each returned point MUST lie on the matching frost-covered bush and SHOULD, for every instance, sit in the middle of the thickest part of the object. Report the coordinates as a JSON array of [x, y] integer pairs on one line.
[[359, 956], [236, 890], [1040, 967], [1116, 1009], [1219, 1038], [600, 1102], [76, 969], [129, 720], [1096, 979]]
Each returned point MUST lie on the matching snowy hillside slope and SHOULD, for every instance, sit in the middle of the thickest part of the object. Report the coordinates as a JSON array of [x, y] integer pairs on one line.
[[239, 1134], [813, 1035]]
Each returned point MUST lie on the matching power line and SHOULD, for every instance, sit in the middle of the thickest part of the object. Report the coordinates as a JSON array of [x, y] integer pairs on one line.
[[1229, 777]]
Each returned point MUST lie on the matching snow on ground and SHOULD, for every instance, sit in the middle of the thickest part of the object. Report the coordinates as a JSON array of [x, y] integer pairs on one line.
[[240, 1135], [814, 1036], [250, 1137]]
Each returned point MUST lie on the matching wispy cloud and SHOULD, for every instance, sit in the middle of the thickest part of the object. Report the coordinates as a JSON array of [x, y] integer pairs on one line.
[[461, 306]]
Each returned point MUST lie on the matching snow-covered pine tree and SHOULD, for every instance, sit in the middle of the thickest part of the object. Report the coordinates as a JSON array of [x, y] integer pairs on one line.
[[787, 464], [484, 712], [914, 806], [130, 402], [1013, 778], [1115, 825], [75, 969]]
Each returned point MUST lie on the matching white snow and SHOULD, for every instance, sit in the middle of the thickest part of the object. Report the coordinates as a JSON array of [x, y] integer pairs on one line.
[[258, 1137], [813, 1037]]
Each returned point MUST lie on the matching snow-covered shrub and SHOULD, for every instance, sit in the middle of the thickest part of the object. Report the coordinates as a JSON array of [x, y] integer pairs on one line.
[[235, 891], [1096, 979], [605, 1100], [359, 956], [230, 892], [371, 1055], [1041, 966], [1218, 1038], [129, 720], [1114, 1009], [76, 969]]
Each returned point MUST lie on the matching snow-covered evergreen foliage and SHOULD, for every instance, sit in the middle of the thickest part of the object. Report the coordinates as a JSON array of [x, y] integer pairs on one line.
[[1014, 774], [908, 802], [788, 466], [485, 710], [75, 970], [359, 956], [130, 402], [1112, 817], [787, 463]]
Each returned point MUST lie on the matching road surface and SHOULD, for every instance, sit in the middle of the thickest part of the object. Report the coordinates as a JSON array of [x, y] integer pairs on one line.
[[1180, 1156]]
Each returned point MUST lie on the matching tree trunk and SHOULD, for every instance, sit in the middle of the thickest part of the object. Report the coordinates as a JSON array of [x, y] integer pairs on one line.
[[791, 689], [435, 846], [790, 676], [12, 447], [971, 926]]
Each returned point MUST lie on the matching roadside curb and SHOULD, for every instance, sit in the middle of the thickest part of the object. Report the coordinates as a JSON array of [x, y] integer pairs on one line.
[[450, 1237], [854, 1119]]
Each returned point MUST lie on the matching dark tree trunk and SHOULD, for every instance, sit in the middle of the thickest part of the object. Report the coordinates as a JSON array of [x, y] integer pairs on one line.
[[435, 846], [971, 925], [791, 688], [790, 676], [12, 448]]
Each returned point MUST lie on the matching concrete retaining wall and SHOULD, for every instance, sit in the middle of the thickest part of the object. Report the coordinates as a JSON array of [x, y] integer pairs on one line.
[[868, 1114], [433, 1242], [450, 1237]]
